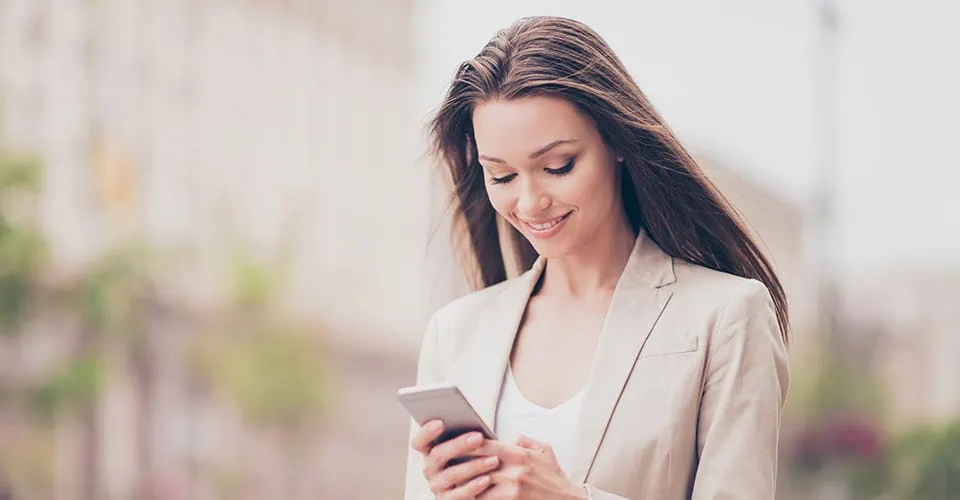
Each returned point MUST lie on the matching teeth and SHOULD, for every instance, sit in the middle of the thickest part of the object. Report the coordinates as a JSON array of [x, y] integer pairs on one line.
[[547, 225]]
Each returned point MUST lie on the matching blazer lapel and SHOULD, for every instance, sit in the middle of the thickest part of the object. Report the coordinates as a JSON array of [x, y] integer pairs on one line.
[[484, 369], [637, 303]]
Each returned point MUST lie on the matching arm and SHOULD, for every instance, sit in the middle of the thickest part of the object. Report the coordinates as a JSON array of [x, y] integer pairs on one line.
[[745, 384], [428, 371]]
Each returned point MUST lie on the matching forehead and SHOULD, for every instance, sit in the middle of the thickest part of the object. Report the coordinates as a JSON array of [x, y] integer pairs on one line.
[[521, 126]]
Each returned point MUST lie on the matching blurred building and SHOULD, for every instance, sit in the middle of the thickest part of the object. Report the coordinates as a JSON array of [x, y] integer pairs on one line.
[[287, 126], [908, 322], [281, 124]]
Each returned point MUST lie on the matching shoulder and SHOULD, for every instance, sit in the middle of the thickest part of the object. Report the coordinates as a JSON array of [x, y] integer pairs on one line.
[[737, 325], [470, 306], [723, 307], [453, 325], [717, 291]]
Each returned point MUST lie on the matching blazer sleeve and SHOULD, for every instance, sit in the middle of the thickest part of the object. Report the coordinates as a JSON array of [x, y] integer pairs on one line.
[[429, 370], [745, 385], [598, 494]]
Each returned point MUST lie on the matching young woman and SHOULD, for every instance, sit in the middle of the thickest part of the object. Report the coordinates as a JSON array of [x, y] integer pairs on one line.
[[642, 354]]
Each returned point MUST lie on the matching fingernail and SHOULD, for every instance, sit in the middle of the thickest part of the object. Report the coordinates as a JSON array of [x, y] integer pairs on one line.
[[474, 438], [435, 425], [483, 480], [490, 461]]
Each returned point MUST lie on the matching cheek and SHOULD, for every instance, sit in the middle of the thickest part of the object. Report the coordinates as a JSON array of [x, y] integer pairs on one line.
[[594, 191], [501, 199], [580, 190]]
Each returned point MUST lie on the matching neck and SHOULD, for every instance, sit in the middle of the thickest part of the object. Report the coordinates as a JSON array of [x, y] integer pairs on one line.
[[595, 268]]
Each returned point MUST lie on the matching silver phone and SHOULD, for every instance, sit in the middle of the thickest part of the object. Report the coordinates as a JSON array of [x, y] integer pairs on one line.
[[445, 402]]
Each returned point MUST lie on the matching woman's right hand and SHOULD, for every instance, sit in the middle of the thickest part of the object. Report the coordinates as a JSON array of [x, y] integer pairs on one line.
[[457, 482]]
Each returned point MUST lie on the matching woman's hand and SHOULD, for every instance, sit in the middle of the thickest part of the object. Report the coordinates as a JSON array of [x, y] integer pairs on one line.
[[465, 481], [529, 471]]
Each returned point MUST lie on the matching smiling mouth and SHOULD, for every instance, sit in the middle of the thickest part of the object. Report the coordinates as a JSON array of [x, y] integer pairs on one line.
[[546, 226]]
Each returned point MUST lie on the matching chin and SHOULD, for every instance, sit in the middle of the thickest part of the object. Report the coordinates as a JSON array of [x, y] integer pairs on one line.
[[550, 249]]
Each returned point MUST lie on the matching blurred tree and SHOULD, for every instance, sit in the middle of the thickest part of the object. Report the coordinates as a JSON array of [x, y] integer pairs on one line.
[[113, 302], [835, 434], [928, 461], [25, 461], [110, 300], [22, 246], [254, 356], [265, 364], [843, 438]]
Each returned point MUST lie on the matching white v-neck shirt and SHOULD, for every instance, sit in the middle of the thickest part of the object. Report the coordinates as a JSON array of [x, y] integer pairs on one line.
[[517, 415]]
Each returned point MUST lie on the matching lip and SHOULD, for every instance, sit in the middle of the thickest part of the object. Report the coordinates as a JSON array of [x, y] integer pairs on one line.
[[545, 233]]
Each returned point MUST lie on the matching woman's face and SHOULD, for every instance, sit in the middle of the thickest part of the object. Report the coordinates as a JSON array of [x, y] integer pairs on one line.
[[548, 172]]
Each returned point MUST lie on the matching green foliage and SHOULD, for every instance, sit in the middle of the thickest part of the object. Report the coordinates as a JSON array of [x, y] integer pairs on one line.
[[75, 384], [110, 295], [264, 364], [271, 376], [22, 247], [107, 300], [253, 286], [922, 463], [19, 175], [21, 256], [834, 388], [929, 462]]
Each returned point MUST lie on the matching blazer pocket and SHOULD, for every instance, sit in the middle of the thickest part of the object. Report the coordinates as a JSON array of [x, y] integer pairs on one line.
[[681, 345]]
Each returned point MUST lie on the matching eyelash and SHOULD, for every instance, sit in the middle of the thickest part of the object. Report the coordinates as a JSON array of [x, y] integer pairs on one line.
[[564, 170]]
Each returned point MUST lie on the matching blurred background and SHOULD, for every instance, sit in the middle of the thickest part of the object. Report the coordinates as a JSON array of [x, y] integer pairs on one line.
[[220, 237]]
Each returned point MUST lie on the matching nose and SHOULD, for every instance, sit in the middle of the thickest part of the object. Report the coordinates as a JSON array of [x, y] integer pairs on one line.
[[533, 200]]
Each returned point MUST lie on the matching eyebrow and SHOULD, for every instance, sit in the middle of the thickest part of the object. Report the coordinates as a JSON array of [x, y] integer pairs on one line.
[[534, 155]]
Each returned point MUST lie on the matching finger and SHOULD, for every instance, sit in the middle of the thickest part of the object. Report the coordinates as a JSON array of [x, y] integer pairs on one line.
[[463, 473], [526, 442], [508, 453], [469, 491], [536, 447], [504, 484], [457, 447], [530, 443], [428, 433]]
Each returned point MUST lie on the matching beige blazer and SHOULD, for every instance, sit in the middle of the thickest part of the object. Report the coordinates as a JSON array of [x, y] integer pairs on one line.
[[687, 387]]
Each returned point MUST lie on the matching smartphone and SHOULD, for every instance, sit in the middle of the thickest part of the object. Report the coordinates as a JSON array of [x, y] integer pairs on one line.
[[443, 401]]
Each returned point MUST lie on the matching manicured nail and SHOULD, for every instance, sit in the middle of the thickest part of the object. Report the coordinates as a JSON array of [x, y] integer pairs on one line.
[[435, 425], [474, 438], [490, 461], [483, 480]]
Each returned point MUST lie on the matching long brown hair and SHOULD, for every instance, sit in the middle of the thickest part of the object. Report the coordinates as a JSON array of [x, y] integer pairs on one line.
[[664, 190]]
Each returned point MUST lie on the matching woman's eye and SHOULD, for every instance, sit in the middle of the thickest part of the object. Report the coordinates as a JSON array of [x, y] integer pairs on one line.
[[562, 170], [502, 180]]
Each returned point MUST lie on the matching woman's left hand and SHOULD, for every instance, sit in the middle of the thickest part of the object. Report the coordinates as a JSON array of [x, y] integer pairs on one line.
[[528, 471]]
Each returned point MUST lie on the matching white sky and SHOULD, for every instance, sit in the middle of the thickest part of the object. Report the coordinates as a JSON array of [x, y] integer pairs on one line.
[[736, 80]]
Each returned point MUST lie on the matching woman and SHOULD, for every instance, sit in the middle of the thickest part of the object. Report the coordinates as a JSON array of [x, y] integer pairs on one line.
[[642, 355]]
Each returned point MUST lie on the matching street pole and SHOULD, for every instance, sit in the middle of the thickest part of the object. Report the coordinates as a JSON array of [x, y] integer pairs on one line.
[[827, 180]]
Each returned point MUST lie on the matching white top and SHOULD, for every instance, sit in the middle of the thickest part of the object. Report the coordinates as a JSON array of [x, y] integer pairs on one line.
[[517, 415]]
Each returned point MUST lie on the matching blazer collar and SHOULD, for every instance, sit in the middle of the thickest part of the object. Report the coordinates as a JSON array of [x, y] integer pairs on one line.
[[637, 302]]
